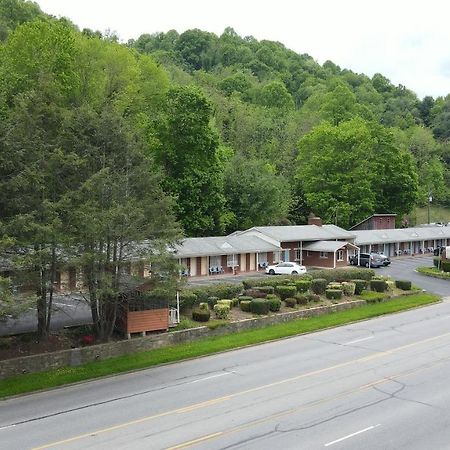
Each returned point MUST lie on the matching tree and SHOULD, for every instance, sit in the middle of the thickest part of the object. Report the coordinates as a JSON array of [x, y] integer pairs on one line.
[[118, 213], [188, 156], [353, 170], [255, 194]]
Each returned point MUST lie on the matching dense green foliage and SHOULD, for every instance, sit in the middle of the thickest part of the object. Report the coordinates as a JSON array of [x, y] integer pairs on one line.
[[103, 145]]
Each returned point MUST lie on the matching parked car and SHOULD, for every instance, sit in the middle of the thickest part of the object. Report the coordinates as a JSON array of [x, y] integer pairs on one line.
[[386, 260], [286, 268], [368, 260]]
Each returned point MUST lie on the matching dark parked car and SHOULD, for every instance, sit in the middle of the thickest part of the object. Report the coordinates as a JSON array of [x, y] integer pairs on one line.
[[368, 260]]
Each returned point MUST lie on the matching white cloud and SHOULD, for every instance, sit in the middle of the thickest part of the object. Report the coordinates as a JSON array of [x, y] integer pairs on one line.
[[407, 41]]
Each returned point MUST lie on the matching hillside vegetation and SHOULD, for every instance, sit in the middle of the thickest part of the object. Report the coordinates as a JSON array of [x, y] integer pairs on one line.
[[103, 145]]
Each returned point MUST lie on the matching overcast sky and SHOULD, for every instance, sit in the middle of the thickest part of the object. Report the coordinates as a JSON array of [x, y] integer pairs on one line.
[[408, 41]]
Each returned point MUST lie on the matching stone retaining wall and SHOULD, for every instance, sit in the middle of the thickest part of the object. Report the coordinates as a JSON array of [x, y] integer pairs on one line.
[[78, 356]]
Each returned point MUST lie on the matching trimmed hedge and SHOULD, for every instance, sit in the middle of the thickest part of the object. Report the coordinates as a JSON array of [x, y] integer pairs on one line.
[[335, 294], [290, 302], [274, 304], [266, 289], [404, 285], [245, 298], [348, 288], [303, 285], [255, 293], [360, 285], [221, 311], [285, 291], [226, 302], [314, 298], [378, 285], [335, 285], [259, 306], [245, 305], [212, 301], [344, 274], [222, 290], [372, 297], [203, 306], [390, 285], [436, 261], [201, 315], [445, 266], [302, 299], [319, 285]]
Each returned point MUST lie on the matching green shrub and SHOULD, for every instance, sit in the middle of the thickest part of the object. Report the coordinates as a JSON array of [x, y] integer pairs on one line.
[[235, 301], [201, 315], [318, 285], [314, 298], [390, 285], [303, 285], [226, 302], [203, 306], [290, 302], [187, 300], [272, 297], [445, 266], [255, 293], [404, 285], [378, 285], [222, 290], [436, 261], [265, 289], [349, 288], [259, 306], [274, 304], [302, 299], [245, 298], [285, 291], [335, 285], [212, 301], [372, 297], [245, 305], [221, 311], [344, 274], [335, 294], [360, 285]]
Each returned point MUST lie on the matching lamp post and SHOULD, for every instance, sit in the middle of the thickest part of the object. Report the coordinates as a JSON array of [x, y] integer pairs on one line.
[[430, 199]]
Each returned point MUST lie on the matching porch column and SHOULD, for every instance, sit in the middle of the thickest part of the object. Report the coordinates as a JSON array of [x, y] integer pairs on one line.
[[234, 266], [209, 265], [257, 261], [301, 252], [334, 259], [370, 251]]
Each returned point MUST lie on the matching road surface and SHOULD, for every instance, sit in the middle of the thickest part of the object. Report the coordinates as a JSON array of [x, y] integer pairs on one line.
[[378, 384]]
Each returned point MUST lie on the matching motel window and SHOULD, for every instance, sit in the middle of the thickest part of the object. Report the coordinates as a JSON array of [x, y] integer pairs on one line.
[[215, 261], [262, 257], [298, 254], [340, 255], [324, 255]]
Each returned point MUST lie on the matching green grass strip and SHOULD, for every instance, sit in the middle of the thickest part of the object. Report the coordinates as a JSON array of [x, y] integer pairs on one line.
[[58, 377], [434, 272]]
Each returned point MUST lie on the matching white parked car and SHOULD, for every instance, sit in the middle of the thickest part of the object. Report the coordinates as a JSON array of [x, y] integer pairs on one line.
[[286, 268]]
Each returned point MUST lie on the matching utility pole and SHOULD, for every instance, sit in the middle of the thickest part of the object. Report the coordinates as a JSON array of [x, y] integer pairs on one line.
[[430, 199]]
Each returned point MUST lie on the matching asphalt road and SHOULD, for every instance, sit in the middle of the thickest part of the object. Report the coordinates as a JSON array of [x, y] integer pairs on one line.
[[378, 384]]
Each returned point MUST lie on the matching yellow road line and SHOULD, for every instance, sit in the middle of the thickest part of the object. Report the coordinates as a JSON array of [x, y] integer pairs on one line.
[[240, 393]]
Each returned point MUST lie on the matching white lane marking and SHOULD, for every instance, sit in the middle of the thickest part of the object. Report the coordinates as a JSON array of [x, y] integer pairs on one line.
[[8, 426], [212, 376], [351, 435], [359, 340]]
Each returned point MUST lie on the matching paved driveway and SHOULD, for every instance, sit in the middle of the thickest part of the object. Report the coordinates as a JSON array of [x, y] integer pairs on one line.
[[405, 268]]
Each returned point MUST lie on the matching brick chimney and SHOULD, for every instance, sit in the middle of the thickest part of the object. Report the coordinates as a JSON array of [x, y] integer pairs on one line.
[[313, 220]]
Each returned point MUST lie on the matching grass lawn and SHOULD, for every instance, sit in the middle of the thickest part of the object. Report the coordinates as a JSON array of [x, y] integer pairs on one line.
[[43, 380], [434, 272], [437, 214]]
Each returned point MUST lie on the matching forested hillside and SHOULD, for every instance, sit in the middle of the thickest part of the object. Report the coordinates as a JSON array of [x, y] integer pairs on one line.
[[240, 132]]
